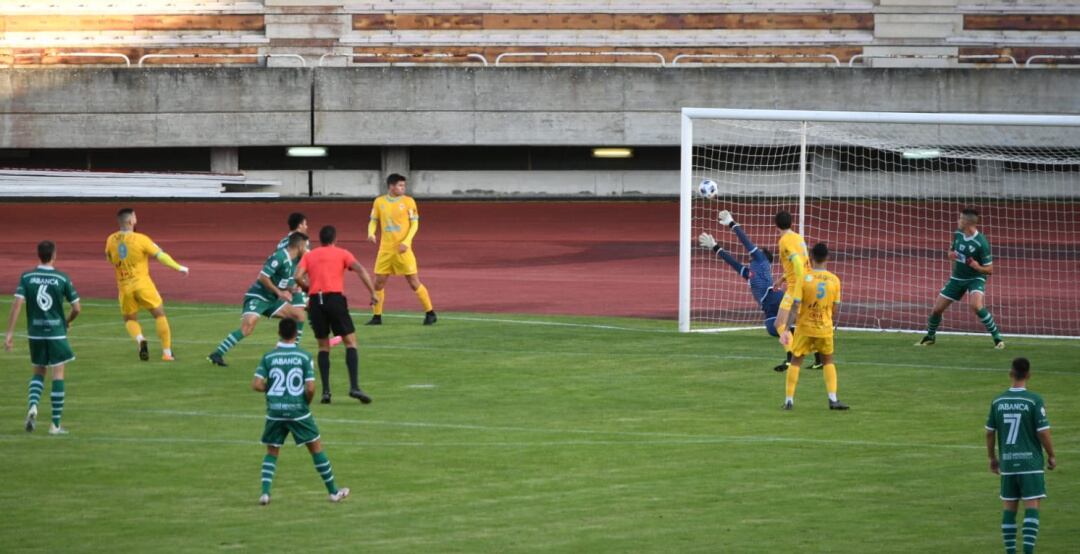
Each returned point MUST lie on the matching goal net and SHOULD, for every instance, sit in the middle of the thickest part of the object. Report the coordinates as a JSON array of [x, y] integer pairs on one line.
[[884, 192]]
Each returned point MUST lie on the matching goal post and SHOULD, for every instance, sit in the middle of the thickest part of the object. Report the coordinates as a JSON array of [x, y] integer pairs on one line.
[[884, 191]]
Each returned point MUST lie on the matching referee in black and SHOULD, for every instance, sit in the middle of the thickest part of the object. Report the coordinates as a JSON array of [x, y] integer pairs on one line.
[[322, 271]]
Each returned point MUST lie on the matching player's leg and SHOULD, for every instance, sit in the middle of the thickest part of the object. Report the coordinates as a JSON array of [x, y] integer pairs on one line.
[[37, 387], [1008, 525], [380, 293], [273, 436], [977, 302], [949, 293], [129, 310], [248, 321], [56, 397], [422, 295], [1032, 491], [824, 347], [150, 299], [299, 306], [791, 382], [320, 326], [342, 326], [306, 432]]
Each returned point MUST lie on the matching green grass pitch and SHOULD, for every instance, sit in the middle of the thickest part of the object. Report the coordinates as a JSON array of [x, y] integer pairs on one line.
[[497, 433]]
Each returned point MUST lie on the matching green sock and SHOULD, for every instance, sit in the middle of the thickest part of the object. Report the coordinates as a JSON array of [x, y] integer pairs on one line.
[[230, 341], [57, 397], [322, 465], [268, 468], [1031, 529], [299, 330], [988, 321], [1008, 530], [932, 325], [37, 386]]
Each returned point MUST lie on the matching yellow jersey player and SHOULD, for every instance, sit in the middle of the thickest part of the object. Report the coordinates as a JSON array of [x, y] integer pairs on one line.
[[796, 264], [820, 292], [129, 252], [397, 216]]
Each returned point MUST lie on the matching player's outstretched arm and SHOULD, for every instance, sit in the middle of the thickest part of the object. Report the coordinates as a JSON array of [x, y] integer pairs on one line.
[[167, 261], [9, 338]]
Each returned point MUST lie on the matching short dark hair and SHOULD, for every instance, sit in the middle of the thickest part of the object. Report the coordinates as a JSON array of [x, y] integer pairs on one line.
[[394, 178], [783, 219], [819, 252], [286, 328], [327, 235], [122, 215], [297, 239], [971, 213], [1020, 368], [768, 254], [46, 249], [295, 219]]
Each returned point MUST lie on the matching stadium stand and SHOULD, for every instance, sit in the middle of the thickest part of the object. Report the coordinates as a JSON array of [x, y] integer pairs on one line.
[[882, 33], [53, 184]]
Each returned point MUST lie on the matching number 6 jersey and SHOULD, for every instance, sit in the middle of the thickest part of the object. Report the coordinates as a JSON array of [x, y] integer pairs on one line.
[[45, 290]]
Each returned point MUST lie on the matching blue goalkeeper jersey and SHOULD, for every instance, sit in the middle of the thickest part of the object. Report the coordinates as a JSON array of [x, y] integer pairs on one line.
[[760, 278]]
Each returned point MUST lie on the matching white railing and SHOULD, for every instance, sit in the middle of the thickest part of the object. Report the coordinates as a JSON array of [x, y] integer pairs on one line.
[[127, 60], [663, 61], [403, 55], [145, 57], [832, 57], [1049, 57], [1010, 59]]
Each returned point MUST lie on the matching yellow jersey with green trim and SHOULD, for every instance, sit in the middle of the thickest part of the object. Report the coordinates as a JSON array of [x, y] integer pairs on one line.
[[395, 216], [820, 292], [791, 248]]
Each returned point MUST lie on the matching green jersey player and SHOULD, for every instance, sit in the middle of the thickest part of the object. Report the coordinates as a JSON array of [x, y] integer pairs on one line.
[[269, 296], [1018, 420], [297, 224], [44, 290], [972, 264], [287, 376]]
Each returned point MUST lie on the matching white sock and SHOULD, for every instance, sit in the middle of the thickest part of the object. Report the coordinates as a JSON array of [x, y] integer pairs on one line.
[[140, 338], [832, 397], [790, 399], [166, 351]]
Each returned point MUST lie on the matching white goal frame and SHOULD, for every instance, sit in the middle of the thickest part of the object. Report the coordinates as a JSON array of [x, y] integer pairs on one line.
[[686, 188]]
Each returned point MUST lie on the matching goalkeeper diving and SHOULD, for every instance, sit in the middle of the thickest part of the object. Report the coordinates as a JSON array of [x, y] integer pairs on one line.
[[758, 274]]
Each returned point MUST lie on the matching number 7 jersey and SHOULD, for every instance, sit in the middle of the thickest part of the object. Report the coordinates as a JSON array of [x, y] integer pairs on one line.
[[1018, 415]]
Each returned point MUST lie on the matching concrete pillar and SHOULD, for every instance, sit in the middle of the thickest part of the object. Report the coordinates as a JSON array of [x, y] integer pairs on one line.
[[225, 160], [395, 159]]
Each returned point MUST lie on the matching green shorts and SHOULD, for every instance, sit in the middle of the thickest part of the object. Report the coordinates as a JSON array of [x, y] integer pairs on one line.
[[258, 306], [954, 289], [303, 431], [1023, 486], [299, 299], [50, 353]]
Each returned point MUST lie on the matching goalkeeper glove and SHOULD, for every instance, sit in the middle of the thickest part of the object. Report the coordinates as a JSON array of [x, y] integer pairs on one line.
[[725, 218], [706, 241]]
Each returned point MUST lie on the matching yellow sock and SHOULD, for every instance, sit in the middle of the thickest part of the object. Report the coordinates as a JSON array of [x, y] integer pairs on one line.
[[133, 328], [163, 332], [830, 378], [422, 294], [792, 380], [377, 310]]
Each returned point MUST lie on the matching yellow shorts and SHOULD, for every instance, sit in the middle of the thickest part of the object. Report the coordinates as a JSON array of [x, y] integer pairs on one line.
[[143, 296], [393, 263], [804, 345]]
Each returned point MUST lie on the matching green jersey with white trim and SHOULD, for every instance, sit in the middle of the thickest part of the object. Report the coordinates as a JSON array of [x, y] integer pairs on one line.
[[284, 243], [45, 290], [975, 247], [286, 370], [1017, 416], [279, 268]]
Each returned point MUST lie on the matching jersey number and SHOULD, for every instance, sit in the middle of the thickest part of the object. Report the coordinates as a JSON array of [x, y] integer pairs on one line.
[[821, 290], [1014, 427], [280, 382], [44, 301]]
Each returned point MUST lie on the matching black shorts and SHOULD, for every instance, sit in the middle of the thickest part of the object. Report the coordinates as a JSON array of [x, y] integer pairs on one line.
[[330, 312]]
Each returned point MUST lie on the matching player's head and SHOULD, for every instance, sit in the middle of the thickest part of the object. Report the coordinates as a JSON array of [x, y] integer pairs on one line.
[[298, 222], [783, 220], [46, 251], [819, 253], [286, 329], [969, 217], [1021, 368], [126, 218], [768, 254], [395, 184], [297, 241], [327, 235]]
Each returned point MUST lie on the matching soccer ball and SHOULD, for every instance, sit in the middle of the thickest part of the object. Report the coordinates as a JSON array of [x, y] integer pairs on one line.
[[707, 189]]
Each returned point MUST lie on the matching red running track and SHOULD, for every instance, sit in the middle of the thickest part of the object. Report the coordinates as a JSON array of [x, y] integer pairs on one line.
[[577, 258]]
